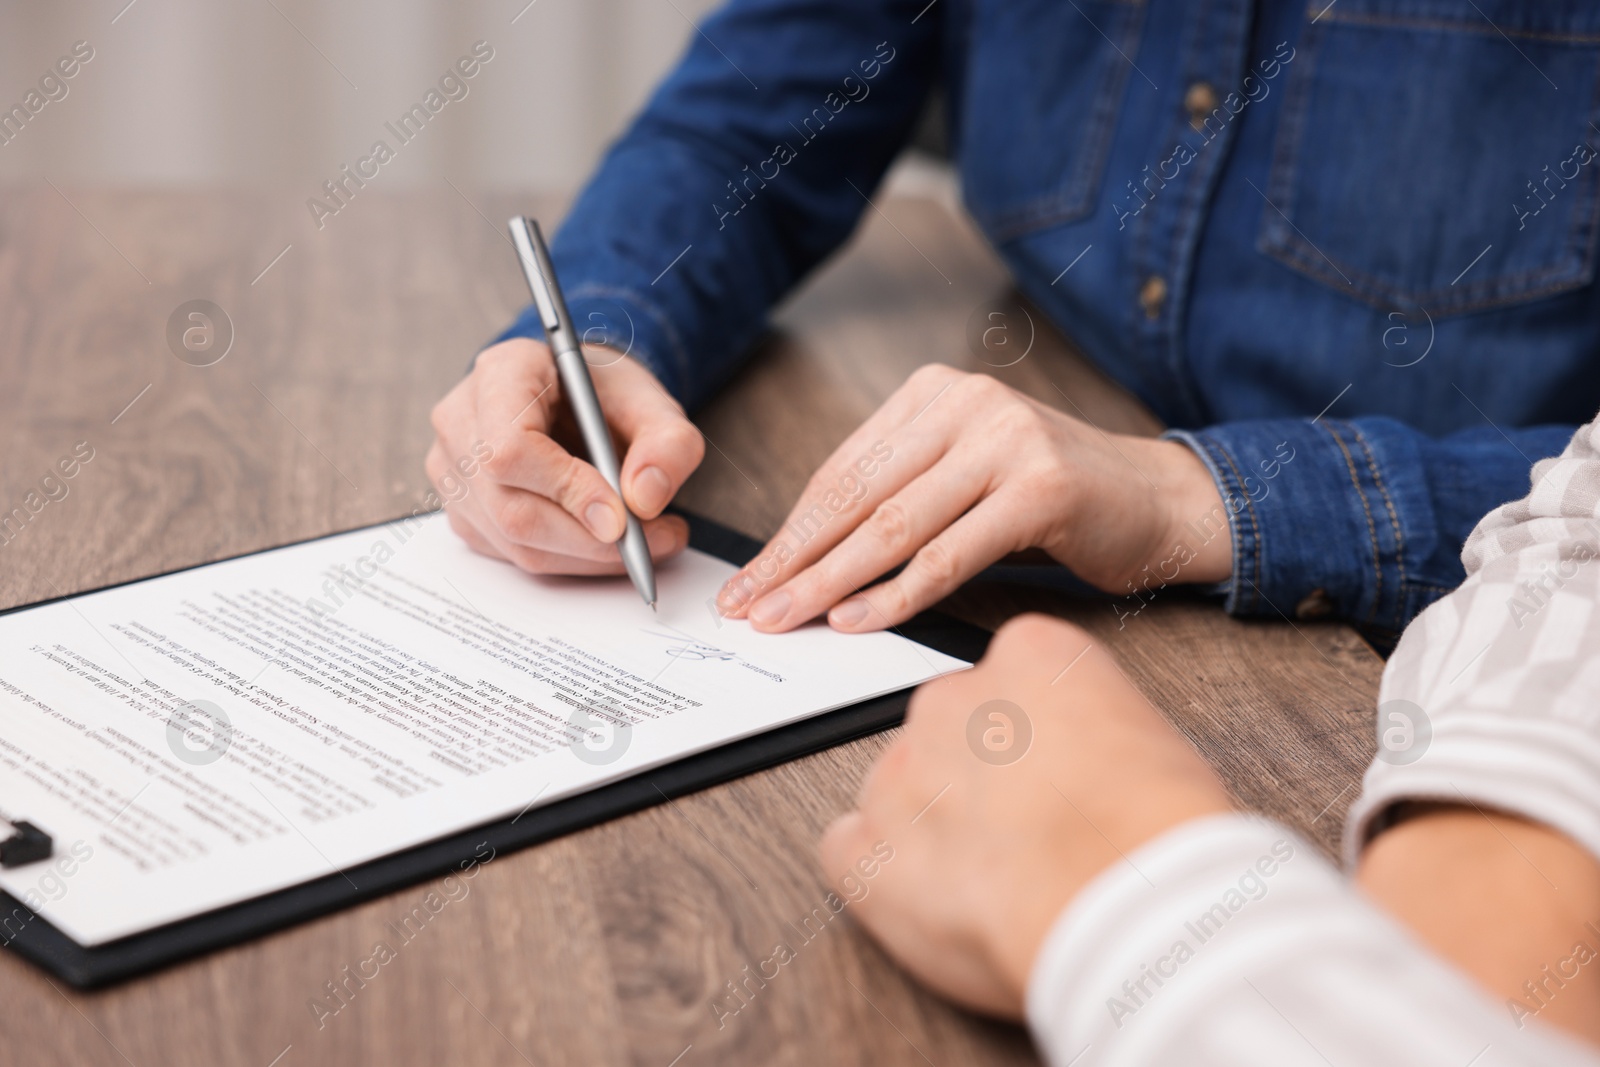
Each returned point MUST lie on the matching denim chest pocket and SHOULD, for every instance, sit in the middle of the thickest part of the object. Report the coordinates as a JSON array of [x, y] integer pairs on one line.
[[1440, 153], [1054, 72]]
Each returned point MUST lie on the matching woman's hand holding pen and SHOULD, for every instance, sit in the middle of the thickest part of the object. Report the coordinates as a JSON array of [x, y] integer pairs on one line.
[[956, 471], [536, 503]]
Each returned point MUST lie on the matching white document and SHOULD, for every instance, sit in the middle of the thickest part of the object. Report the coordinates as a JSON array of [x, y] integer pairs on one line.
[[203, 738]]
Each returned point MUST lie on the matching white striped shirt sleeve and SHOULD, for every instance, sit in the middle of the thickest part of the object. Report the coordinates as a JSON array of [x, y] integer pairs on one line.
[[1210, 946], [1492, 696], [1230, 942]]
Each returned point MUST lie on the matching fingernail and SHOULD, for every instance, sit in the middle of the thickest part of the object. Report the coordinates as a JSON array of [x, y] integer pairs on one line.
[[651, 490], [735, 597], [852, 612], [602, 521], [770, 610], [664, 542]]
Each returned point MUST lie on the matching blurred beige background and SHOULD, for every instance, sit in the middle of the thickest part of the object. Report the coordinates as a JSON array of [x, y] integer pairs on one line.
[[284, 92]]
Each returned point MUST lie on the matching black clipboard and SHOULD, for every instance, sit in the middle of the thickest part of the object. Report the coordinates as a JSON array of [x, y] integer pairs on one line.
[[30, 936]]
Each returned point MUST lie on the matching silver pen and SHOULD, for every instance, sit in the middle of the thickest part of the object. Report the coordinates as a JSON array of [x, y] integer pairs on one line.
[[579, 387]]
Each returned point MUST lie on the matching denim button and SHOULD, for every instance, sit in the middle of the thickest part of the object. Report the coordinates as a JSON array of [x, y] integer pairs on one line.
[[1316, 604], [1153, 296], [1200, 101]]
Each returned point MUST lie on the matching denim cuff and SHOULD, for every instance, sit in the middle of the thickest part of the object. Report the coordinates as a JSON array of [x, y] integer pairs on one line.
[[1320, 514], [623, 320]]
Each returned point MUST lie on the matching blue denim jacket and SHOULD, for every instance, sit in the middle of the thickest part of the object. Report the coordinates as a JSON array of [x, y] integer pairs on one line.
[[1346, 251]]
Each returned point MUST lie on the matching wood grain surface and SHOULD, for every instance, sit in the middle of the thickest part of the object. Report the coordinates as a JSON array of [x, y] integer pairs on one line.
[[608, 946]]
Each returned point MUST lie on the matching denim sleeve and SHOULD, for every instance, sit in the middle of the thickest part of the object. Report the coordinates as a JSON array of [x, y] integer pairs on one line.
[[1360, 519], [752, 161]]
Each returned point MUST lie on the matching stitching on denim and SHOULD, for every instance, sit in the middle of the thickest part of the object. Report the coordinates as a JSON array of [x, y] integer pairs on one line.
[[1215, 454], [1278, 239], [1291, 250], [1291, 126], [1139, 237], [1140, 328], [1575, 240], [1453, 26], [1188, 221], [1394, 518], [1255, 527], [1207, 452], [1079, 199], [1164, 329], [1372, 527]]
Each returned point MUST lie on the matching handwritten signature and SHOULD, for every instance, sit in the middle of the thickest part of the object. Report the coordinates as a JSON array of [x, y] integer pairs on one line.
[[686, 647]]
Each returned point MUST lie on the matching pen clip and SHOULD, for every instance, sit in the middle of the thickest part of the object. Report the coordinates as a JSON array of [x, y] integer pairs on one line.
[[529, 243]]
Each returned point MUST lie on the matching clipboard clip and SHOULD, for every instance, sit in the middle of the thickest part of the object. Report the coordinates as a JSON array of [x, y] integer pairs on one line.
[[26, 843]]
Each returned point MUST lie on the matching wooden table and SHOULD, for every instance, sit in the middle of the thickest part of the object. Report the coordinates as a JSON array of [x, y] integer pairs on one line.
[[608, 946]]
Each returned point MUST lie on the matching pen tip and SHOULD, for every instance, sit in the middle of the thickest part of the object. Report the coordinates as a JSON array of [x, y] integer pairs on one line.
[[653, 606]]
